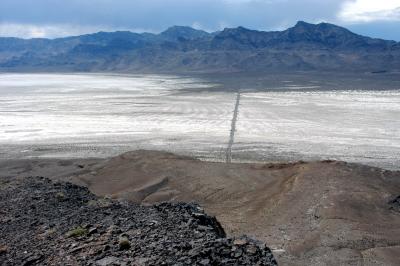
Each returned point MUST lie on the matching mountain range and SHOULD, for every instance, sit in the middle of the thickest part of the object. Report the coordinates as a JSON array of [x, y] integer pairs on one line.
[[305, 46]]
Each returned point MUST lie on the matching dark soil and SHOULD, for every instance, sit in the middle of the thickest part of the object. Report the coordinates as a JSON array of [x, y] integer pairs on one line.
[[46, 223]]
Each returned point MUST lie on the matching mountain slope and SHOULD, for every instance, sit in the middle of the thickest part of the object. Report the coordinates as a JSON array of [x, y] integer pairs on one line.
[[303, 47]]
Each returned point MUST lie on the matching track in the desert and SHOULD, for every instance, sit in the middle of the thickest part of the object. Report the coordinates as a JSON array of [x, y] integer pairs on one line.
[[233, 129]]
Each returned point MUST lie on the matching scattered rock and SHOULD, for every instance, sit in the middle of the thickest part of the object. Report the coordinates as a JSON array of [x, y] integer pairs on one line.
[[106, 261], [117, 233], [205, 262], [92, 231], [77, 249], [251, 250], [124, 243], [240, 242], [395, 204], [3, 249], [32, 260]]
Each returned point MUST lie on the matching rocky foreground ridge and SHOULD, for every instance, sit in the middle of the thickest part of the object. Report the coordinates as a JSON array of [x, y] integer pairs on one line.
[[48, 223]]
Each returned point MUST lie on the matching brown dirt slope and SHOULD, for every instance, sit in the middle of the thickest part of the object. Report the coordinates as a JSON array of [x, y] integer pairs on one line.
[[316, 213]]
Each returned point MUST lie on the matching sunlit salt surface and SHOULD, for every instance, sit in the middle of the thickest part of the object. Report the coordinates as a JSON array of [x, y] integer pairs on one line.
[[80, 115]]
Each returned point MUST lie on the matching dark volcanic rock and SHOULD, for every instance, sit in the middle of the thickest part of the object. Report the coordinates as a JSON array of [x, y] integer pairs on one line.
[[395, 204], [45, 223]]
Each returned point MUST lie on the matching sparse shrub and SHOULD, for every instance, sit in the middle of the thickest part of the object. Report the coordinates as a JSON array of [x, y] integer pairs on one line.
[[124, 243], [60, 196], [77, 232]]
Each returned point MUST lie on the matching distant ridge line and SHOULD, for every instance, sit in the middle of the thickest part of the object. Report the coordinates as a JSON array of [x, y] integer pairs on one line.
[[303, 47]]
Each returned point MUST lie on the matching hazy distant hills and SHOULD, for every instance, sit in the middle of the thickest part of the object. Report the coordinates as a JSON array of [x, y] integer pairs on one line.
[[182, 49]]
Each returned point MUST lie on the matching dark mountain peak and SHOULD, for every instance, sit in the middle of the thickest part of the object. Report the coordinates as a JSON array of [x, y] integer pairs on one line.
[[183, 32], [236, 30], [239, 33], [241, 38], [242, 29], [105, 34], [180, 29], [323, 34], [303, 24], [303, 35], [103, 37], [329, 25]]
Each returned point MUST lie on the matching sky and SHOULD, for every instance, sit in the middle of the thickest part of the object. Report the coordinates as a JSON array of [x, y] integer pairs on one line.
[[59, 18]]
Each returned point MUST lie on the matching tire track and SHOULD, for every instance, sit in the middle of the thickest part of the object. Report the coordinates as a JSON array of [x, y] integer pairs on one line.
[[233, 129]]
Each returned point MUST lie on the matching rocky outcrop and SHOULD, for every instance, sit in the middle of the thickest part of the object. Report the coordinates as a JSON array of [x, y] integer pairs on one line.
[[46, 223], [395, 204]]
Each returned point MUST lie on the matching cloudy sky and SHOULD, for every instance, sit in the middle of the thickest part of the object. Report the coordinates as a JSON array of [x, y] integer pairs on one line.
[[56, 18]]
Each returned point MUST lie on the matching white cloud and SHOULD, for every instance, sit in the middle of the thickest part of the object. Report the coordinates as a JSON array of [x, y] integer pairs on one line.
[[370, 10], [53, 31]]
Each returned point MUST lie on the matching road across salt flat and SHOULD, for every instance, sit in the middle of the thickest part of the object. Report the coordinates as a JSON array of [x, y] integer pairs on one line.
[[55, 115]]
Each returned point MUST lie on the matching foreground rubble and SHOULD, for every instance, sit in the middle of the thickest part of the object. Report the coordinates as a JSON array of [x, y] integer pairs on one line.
[[46, 223]]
